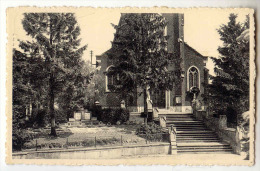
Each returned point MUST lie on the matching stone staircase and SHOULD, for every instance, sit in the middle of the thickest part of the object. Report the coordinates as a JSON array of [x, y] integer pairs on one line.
[[194, 137]]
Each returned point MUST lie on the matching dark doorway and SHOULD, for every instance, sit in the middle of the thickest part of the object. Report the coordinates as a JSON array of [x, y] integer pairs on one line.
[[158, 99]]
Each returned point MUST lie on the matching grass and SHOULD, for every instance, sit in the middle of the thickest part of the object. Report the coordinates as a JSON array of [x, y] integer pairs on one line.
[[75, 137]]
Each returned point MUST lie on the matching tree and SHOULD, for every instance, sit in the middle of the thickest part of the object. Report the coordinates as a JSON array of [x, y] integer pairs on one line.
[[21, 97], [229, 91], [82, 91], [55, 40], [95, 90], [140, 56]]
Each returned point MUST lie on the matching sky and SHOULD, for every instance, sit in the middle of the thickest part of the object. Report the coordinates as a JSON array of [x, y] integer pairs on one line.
[[200, 30]]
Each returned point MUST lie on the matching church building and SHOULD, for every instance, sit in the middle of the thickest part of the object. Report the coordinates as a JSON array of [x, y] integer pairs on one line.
[[193, 74]]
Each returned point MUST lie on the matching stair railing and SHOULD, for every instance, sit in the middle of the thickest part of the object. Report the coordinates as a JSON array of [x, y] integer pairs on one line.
[[172, 137]]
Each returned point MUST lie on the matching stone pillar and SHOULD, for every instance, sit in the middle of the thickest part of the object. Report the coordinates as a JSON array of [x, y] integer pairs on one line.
[[239, 136], [222, 121], [162, 120], [122, 104], [172, 137]]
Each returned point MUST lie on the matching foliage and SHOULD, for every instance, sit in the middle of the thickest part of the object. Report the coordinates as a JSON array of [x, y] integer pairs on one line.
[[55, 48], [112, 116], [152, 132], [19, 135], [139, 55], [229, 90], [244, 126], [95, 90], [22, 93], [84, 143]]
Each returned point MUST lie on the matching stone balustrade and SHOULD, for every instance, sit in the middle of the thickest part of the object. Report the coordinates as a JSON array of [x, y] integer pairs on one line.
[[219, 125], [172, 138]]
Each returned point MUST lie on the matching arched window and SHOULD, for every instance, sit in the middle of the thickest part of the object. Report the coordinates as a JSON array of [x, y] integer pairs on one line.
[[112, 79], [193, 78]]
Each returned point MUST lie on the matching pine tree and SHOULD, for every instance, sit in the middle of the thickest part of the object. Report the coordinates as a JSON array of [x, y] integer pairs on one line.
[[21, 97], [140, 56], [230, 86], [55, 40]]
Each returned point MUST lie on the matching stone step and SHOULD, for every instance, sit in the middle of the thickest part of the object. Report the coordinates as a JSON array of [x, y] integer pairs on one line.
[[212, 139], [198, 128], [181, 119], [206, 151], [201, 141], [197, 138], [167, 112], [202, 144], [189, 130], [193, 121], [192, 132], [208, 148], [195, 132], [186, 126], [178, 116], [196, 135], [179, 123]]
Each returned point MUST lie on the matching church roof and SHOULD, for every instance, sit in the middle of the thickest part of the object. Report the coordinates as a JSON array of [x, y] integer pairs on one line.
[[196, 52]]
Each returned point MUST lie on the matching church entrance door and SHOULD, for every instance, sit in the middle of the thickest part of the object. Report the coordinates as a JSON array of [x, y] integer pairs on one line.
[[158, 99]]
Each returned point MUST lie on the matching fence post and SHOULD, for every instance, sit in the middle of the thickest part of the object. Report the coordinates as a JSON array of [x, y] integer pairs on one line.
[[36, 145], [146, 138], [95, 141], [121, 140], [67, 143]]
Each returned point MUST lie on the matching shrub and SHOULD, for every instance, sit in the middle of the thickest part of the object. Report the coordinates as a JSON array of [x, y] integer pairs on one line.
[[19, 138], [152, 132], [114, 115], [96, 111], [88, 143], [20, 133], [40, 118], [61, 116], [232, 115]]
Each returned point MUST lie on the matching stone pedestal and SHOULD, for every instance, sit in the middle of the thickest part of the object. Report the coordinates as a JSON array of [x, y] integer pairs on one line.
[[86, 116], [77, 116], [162, 120], [222, 121], [172, 138]]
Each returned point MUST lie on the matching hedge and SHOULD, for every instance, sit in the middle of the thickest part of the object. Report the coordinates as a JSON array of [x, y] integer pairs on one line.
[[112, 116]]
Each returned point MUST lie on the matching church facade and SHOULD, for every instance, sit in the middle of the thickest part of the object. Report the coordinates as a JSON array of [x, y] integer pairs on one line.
[[193, 74]]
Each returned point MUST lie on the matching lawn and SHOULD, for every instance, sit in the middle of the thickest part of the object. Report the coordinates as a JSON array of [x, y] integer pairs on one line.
[[74, 137]]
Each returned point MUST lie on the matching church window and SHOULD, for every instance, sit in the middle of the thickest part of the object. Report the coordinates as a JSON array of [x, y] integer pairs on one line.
[[193, 78], [112, 79]]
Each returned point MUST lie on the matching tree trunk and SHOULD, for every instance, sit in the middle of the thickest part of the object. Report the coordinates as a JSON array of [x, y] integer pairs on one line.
[[145, 107], [51, 107], [51, 92]]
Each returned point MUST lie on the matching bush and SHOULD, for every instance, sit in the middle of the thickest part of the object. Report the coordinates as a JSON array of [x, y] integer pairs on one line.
[[114, 115], [61, 116], [232, 115], [20, 133], [152, 132], [96, 111], [19, 138]]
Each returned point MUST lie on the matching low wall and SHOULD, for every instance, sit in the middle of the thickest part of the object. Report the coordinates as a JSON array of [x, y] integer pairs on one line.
[[94, 153], [219, 125]]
